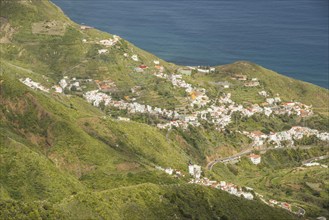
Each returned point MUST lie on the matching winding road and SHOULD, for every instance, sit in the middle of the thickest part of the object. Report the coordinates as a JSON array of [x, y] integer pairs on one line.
[[227, 159], [248, 151]]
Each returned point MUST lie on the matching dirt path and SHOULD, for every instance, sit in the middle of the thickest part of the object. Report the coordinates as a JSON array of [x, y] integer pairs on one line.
[[20, 68]]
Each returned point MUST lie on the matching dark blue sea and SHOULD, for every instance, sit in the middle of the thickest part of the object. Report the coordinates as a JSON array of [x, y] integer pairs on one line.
[[287, 36]]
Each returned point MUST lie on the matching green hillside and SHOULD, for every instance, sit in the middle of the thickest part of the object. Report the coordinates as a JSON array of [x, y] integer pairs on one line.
[[64, 158], [281, 175], [57, 160]]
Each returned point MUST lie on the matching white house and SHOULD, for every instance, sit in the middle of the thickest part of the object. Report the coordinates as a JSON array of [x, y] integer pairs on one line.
[[77, 84], [270, 101], [134, 57], [267, 111], [63, 83], [312, 164], [263, 93], [102, 51], [222, 183], [203, 70], [58, 89], [123, 119], [247, 195], [169, 171], [194, 170], [107, 42], [34, 85], [255, 159]]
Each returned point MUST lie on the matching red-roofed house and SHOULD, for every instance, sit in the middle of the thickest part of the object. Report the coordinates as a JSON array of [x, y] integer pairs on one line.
[[286, 206], [143, 66]]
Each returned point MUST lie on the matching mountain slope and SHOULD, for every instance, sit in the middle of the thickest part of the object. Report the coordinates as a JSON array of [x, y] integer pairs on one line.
[[62, 157], [47, 158]]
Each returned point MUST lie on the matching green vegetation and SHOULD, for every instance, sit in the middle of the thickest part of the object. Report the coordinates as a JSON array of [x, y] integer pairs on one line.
[[78, 173], [149, 201], [281, 176], [62, 158]]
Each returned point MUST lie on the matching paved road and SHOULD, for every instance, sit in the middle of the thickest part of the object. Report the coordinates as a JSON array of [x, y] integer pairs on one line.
[[227, 159], [248, 151], [315, 159]]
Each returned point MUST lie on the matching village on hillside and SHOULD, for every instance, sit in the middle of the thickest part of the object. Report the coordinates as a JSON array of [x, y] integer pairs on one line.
[[195, 173], [218, 112]]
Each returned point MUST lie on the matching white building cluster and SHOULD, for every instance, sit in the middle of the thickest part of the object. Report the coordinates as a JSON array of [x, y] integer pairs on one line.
[[194, 170], [220, 111], [198, 95], [170, 171], [228, 187], [278, 107], [65, 82], [110, 42], [96, 97], [277, 139], [244, 192], [220, 115], [34, 85]]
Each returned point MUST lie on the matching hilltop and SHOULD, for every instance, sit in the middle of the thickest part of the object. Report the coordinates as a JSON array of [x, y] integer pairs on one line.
[[94, 127]]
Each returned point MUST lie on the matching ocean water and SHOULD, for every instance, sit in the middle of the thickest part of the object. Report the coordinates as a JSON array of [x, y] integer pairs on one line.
[[287, 36]]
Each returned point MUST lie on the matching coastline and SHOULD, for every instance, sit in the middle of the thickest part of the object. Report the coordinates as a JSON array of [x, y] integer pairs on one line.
[[287, 54]]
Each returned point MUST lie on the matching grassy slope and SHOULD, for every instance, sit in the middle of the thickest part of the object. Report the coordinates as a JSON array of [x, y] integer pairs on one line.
[[289, 89], [51, 127], [279, 176], [28, 176], [149, 201], [86, 165], [55, 56], [76, 144]]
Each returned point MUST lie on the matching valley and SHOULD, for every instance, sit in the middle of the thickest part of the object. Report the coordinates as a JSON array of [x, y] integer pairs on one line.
[[93, 127]]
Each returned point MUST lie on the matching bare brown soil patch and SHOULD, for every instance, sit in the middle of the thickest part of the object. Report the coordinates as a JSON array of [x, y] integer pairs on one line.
[[74, 167], [49, 28], [6, 31], [294, 186], [220, 152], [127, 166]]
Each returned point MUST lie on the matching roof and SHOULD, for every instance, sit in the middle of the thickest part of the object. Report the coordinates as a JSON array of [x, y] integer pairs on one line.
[[254, 156], [257, 133], [143, 66], [286, 204]]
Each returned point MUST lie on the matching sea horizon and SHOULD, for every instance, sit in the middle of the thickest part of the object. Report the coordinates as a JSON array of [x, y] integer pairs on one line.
[[290, 38]]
